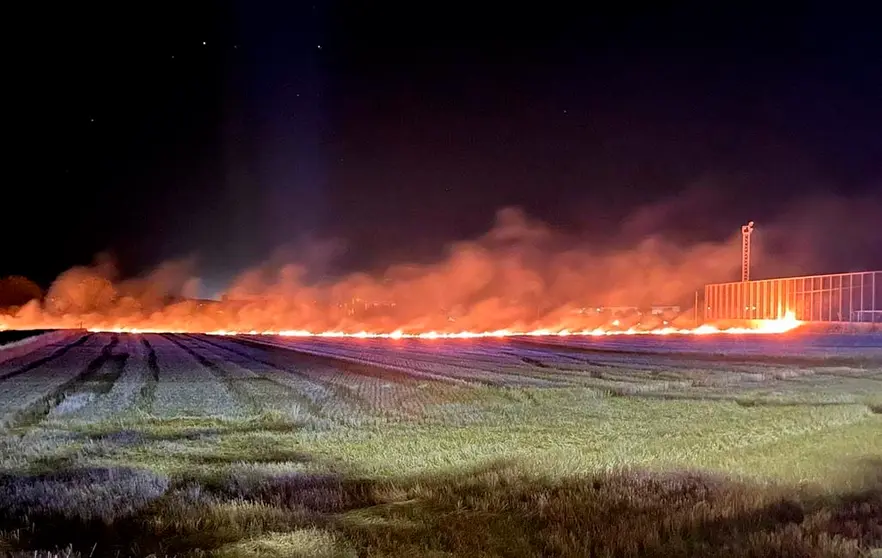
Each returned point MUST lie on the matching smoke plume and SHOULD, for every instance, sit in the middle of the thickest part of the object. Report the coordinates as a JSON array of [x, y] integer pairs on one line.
[[520, 275]]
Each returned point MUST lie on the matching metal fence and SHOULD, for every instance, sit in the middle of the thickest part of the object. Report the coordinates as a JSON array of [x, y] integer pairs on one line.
[[842, 297]]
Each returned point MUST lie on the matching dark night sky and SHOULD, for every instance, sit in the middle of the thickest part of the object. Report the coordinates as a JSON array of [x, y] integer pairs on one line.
[[411, 125]]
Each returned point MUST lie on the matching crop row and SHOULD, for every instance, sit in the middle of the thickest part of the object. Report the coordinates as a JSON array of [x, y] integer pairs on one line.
[[186, 387], [36, 351], [20, 353], [429, 368], [524, 363], [805, 345], [257, 390], [346, 392], [311, 396], [19, 392], [474, 353], [129, 372]]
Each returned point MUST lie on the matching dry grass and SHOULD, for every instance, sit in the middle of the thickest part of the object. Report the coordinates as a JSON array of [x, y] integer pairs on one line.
[[498, 512], [495, 511], [301, 543]]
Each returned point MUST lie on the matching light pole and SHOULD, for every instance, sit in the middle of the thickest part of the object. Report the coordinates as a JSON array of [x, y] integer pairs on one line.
[[745, 251], [746, 298]]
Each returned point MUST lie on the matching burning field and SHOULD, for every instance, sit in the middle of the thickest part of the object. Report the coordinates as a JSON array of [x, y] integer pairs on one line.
[[480, 405], [520, 278], [118, 444]]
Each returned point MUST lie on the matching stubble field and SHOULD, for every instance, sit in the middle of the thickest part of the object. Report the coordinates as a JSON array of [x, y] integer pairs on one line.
[[193, 445]]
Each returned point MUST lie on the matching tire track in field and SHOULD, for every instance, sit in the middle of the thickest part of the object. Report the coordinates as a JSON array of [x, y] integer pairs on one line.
[[38, 410], [114, 391], [148, 392], [106, 356], [94, 384], [311, 405], [41, 361]]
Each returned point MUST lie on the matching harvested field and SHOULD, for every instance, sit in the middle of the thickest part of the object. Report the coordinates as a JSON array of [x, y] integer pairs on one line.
[[187, 445]]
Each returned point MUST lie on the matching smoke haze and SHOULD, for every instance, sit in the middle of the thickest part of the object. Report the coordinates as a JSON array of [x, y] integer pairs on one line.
[[520, 275]]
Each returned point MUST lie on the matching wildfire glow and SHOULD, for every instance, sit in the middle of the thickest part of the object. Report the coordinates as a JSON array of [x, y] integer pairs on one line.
[[777, 326], [520, 278]]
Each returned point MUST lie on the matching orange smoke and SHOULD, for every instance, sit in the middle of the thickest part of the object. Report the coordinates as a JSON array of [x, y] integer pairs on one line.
[[520, 278]]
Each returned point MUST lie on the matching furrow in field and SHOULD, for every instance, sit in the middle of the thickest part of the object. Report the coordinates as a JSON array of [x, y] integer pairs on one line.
[[487, 368], [260, 393], [148, 392], [41, 356], [448, 371], [326, 354], [502, 359], [332, 388], [670, 371], [495, 358], [259, 389], [327, 347], [563, 369], [32, 348], [673, 375], [227, 374], [290, 394], [115, 389], [29, 395], [369, 391], [186, 387], [750, 349], [322, 399], [692, 367]]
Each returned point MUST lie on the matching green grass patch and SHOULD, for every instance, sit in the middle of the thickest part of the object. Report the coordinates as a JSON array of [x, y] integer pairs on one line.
[[788, 466]]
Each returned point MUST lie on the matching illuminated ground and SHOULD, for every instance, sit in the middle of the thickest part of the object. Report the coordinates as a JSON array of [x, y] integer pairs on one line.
[[179, 444]]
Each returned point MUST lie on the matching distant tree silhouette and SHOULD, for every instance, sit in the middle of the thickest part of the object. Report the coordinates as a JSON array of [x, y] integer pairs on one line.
[[18, 291]]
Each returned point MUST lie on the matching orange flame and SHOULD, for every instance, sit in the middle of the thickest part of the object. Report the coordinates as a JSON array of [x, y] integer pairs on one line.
[[777, 326], [519, 278]]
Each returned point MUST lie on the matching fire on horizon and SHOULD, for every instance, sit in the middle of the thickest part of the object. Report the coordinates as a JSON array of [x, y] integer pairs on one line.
[[516, 280]]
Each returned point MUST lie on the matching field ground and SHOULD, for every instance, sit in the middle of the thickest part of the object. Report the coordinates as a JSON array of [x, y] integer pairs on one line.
[[168, 445]]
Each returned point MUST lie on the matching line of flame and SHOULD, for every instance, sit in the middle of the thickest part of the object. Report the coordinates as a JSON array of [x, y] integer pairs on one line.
[[781, 325]]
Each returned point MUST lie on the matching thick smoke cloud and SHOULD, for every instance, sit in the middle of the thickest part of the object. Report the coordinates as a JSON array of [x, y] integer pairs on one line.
[[520, 275]]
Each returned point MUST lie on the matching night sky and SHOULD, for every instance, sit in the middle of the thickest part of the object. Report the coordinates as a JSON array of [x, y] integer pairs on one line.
[[228, 129]]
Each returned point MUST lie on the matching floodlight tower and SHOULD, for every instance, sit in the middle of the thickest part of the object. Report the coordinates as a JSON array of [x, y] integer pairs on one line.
[[745, 251]]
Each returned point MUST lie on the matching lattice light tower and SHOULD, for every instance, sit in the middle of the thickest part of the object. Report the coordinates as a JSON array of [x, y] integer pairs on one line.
[[745, 251]]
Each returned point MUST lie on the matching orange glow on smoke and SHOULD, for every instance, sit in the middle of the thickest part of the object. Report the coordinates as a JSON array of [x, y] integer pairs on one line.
[[519, 278], [777, 326]]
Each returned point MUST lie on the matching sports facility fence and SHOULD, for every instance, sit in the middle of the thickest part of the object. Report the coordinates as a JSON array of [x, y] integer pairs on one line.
[[841, 297]]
